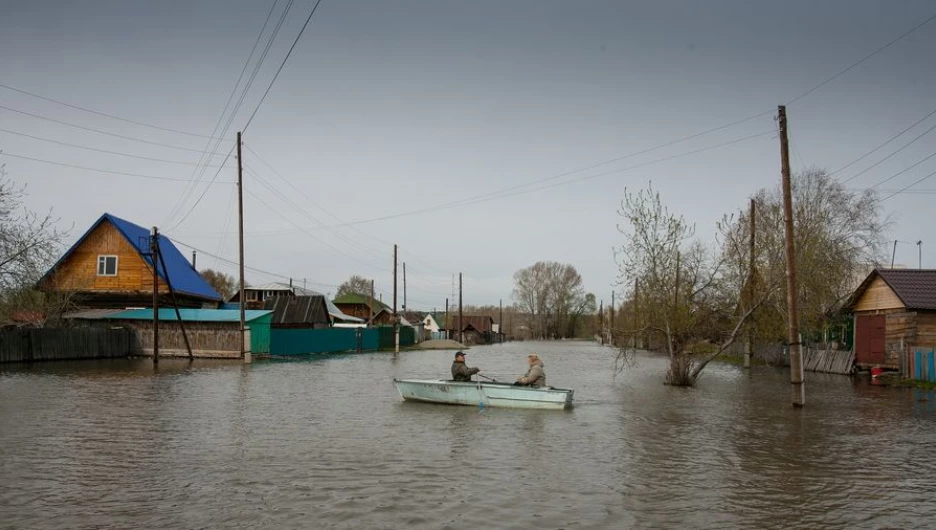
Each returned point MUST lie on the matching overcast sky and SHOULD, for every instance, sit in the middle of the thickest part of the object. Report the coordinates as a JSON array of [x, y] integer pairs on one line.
[[389, 112]]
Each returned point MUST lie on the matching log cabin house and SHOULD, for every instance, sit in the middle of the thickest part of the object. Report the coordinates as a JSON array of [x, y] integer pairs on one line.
[[110, 266], [893, 310]]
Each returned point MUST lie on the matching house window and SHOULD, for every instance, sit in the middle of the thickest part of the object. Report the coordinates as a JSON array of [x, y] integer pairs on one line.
[[107, 266]]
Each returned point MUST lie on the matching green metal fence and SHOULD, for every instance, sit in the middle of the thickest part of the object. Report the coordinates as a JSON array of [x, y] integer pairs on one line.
[[284, 341]]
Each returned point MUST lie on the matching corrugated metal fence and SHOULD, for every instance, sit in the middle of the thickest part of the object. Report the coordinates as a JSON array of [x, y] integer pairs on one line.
[[288, 341], [27, 345]]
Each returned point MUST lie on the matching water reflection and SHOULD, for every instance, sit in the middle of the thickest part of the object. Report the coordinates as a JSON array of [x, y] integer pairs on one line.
[[326, 441]]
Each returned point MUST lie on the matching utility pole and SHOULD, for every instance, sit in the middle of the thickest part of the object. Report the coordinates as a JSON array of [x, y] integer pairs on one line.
[[461, 333], [611, 322], [894, 254], [749, 351], [636, 321], [154, 255], [244, 354], [601, 322], [447, 334], [193, 259], [370, 321], [404, 286], [920, 251], [796, 359], [500, 320], [396, 322]]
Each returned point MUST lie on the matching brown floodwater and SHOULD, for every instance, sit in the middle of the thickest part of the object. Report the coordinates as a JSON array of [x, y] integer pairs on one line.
[[327, 442]]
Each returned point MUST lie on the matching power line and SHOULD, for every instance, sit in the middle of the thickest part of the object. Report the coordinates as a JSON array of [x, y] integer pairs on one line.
[[905, 188], [879, 162], [282, 64], [91, 129], [99, 113], [130, 155], [889, 140], [85, 168], [895, 175], [499, 194], [180, 203], [207, 187], [859, 61]]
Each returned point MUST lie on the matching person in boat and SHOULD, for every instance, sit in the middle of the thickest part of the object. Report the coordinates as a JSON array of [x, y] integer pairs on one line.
[[536, 375], [460, 372]]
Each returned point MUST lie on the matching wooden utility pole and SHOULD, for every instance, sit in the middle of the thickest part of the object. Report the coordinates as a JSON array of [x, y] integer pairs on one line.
[[396, 321], [447, 330], [500, 320], [193, 259], [611, 322], [175, 303], [749, 351], [404, 286], [244, 354], [154, 255], [601, 333], [636, 321], [461, 333], [894, 254], [796, 359]]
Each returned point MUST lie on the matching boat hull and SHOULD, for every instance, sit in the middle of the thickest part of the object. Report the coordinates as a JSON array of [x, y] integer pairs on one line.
[[501, 395]]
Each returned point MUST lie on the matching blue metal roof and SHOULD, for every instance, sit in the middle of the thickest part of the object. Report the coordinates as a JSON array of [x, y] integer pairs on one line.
[[183, 277], [189, 315]]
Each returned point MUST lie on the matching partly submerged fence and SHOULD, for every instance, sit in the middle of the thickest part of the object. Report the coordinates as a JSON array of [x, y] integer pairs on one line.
[[288, 341], [814, 360], [48, 344], [918, 362]]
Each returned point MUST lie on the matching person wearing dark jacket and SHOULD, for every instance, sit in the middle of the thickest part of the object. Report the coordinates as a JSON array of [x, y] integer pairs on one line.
[[460, 372]]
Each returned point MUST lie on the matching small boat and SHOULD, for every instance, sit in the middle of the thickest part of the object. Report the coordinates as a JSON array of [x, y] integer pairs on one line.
[[485, 394]]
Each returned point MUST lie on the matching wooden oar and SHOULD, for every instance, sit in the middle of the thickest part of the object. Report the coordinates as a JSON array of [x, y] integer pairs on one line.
[[486, 377]]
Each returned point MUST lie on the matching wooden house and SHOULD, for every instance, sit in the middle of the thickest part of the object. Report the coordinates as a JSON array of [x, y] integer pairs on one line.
[[474, 329], [361, 306], [259, 296], [110, 266], [893, 310]]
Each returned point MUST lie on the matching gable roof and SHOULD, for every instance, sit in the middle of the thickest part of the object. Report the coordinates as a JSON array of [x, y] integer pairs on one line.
[[357, 298], [916, 288], [178, 271], [298, 309], [478, 322]]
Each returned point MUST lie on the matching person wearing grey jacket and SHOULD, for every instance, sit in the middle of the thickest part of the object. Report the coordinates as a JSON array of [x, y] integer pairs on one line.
[[536, 375], [460, 372]]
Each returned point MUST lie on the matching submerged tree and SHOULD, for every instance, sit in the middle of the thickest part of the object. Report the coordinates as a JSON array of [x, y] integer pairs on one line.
[[676, 289]]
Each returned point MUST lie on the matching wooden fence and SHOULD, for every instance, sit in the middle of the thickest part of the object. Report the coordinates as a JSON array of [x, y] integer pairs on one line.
[[829, 361], [28, 345]]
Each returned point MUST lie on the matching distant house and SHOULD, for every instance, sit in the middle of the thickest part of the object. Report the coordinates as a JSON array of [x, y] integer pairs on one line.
[[298, 312], [434, 323], [258, 296], [474, 329], [360, 306], [110, 267], [894, 310]]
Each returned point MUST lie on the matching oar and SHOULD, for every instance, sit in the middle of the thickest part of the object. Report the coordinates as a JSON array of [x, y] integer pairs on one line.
[[488, 378]]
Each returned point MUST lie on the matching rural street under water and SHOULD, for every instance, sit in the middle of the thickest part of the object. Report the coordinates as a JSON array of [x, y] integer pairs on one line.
[[328, 443]]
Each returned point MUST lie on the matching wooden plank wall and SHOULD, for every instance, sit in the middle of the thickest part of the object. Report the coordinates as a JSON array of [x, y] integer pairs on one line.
[[208, 339], [878, 296], [901, 331], [28, 345]]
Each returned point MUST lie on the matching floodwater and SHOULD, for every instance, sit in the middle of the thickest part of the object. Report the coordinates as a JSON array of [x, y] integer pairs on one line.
[[327, 443]]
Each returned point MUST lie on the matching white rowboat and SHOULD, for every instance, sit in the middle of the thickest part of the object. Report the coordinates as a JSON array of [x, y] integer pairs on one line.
[[487, 394]]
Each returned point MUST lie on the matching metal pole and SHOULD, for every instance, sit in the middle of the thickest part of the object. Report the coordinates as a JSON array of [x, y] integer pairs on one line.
[[193, 259], [796, 360], [154, 255], [244, 354]]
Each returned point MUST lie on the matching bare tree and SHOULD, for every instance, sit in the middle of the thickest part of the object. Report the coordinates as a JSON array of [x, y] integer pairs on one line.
[[679, 298], [355, 284], [225, 284], [29, 245], [552, 296]]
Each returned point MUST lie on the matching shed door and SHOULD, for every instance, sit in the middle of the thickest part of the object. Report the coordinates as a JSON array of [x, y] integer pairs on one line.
[[869, 339]]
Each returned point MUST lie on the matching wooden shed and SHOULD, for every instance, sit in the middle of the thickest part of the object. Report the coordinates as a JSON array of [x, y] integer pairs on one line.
[[893, 310]]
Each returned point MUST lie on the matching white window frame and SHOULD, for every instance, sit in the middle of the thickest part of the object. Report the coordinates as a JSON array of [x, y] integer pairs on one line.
[[102, 260]]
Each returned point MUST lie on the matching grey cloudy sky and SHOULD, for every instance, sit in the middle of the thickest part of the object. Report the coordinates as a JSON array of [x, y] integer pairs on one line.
[[389, 108]]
